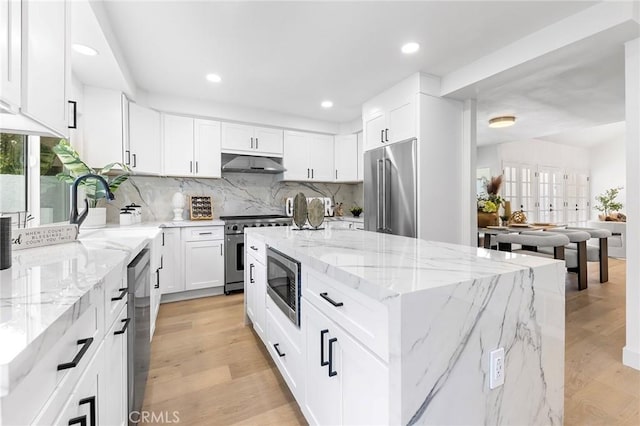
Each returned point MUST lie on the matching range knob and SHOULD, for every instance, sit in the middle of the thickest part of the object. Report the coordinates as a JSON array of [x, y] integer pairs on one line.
[[261, 225], [234, 227]]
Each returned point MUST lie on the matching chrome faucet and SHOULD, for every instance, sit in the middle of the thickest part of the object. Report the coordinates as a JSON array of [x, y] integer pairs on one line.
[[74, 216]]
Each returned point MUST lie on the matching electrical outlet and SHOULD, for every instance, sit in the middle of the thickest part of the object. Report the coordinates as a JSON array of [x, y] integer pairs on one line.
[[496, 368]]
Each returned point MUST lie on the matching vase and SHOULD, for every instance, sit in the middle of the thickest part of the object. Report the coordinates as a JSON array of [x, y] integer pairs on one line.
[[97, 218], [488, 219]]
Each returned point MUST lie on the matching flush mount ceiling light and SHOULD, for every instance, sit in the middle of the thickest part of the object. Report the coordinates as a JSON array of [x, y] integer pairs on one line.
[[85, 50], [409, 48], [326, 104], [214, 78], [503, 121]]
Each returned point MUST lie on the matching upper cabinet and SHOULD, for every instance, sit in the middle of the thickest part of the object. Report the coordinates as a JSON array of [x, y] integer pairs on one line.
[[45, 63], [102, 126], [143, 153], [308, 157], [10, 45], [360, 157], [191, 147], [346, 158], [251, 140]]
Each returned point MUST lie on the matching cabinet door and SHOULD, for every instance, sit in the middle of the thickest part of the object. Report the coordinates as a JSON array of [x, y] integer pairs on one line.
[[321, 158], [10, 44], [268, 141], [260, 278], [113, 384], [360, 157], [207, 148], [102, 127], [237, 137], [323, 395], [171, 276], [144, 139], [204, 264], [401, 122], [46, 73], [296, 156], [374, 132], [85, 401], [346, 158], [250, 286], [178, 145]]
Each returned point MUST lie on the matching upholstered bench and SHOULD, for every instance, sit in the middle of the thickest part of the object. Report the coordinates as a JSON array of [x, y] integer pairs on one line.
[[599, 253]]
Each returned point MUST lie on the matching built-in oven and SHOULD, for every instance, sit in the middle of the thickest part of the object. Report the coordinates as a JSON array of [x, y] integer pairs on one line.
[[283, 283]]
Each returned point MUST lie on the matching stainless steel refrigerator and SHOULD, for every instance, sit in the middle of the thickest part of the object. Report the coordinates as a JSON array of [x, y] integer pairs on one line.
[[390, 189]]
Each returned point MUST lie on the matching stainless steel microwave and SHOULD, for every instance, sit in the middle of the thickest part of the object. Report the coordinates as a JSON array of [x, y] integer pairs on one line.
[[283, 283]]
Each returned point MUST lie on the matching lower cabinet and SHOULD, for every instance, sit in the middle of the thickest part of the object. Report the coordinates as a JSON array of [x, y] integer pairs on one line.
[[114, 405], [345, 382], [255, 292], [204, 264], [171, 280]]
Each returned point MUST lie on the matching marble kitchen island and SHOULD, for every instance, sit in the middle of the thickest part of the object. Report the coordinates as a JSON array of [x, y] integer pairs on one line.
[[407, 327]]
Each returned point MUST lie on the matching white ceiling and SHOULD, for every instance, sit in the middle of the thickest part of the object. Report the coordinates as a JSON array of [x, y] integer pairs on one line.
[[288, 57], [591, 136]]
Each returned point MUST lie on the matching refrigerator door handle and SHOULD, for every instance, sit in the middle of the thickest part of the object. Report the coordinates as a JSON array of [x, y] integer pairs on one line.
[[380, 186], [386, 182]]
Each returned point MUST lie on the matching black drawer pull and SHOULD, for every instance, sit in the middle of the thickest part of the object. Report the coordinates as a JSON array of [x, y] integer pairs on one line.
[[331, 372], [330, 300], [85, 347], [251, 266], [157, 284], [205, 233], [82, 421], [322, 361], [92, 408], [124, 327], [123, 293], [254, 248], [280, 354]]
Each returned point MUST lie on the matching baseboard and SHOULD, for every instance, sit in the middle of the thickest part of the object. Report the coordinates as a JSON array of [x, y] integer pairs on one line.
[[630, 358], [191, 294]]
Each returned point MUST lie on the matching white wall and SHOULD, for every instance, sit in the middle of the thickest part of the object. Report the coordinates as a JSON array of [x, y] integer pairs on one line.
[[608, 170], [488, 157]]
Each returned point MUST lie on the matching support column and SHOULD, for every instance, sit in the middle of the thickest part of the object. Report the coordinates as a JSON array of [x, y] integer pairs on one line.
[[469, 153], [631, 352]]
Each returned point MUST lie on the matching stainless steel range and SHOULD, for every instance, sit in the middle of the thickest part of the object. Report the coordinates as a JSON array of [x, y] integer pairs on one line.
[[234, 245]]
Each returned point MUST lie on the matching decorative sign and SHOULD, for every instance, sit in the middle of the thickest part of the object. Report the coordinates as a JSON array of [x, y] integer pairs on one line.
[[24, 238], [328, 207]]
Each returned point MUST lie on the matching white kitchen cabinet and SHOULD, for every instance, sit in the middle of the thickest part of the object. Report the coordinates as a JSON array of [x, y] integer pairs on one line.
[[102, 127], [256, 290], [308, 157], [10, 45], [346, 158], [203, 261], [191, 147], [346, 383], [251, 140], [374, 131], [46, 73], [113, 384], [155, 269], [144, 151], [360, 157], [393, 120], [171, 277]]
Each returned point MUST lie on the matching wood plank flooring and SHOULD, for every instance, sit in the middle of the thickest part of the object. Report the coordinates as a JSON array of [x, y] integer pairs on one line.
[[212, 370]]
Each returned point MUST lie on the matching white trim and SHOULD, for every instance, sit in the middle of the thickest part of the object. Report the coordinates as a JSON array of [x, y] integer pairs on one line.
[[33, 179]]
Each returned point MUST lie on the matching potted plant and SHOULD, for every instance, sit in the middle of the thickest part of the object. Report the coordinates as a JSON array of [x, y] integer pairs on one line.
[[356, 211], [607, 202], [75, 167], [489, 202]]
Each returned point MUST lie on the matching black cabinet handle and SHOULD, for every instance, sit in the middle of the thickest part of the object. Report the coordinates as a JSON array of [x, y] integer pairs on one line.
[[128, 162], [308, 173], [161, 261], [330, 300], [190, 166], [83, 350], [135, 158], [157, 284], [92, 408], [280, 354], [256, 143], [331, 342], [251, 266], [124, 327], [163, 239], [336, 173], [196, 167], [386, 135], [205, 233], [82, 421], [254, 248], [74, 123], [322, 361], [252, 143], [311, 173], [381, 136], [123, 293]]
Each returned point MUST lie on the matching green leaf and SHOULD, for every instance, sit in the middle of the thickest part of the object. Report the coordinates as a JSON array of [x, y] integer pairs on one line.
[[117, 181], [106, 169], [71, 159], [65, 177]]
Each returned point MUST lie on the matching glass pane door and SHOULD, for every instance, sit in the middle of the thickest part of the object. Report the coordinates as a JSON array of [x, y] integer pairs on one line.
[[13, 175]]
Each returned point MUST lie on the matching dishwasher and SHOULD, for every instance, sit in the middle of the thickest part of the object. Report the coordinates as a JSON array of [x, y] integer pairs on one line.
[[138, 352]]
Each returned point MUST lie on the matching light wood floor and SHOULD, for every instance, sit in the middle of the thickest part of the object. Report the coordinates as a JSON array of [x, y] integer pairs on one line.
[[212, 370]]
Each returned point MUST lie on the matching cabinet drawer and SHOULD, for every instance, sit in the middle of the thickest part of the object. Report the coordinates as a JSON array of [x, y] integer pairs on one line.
[[257, 249], [363, 317], [285, 354], [203, 233], [36, 389]]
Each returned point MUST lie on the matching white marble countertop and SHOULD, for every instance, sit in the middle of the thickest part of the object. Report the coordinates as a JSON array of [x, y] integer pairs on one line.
[[385, 266], [48, 288]]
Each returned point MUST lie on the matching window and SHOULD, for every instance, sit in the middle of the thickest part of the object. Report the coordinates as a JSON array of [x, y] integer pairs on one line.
[[13, 173], [54, 194]]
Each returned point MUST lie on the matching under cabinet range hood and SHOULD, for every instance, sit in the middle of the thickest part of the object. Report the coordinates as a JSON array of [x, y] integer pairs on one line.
[[250, 164]]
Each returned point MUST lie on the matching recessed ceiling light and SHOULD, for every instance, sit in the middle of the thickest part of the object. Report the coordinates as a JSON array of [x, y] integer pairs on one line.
[[326, 104], [85, 50], [214, 78], [503, 121], [410, 48]]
